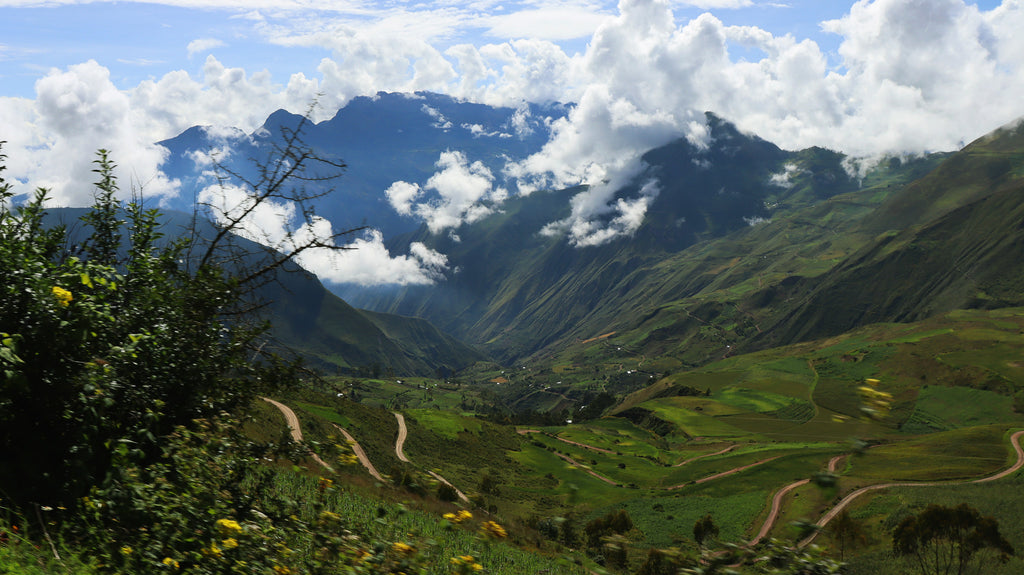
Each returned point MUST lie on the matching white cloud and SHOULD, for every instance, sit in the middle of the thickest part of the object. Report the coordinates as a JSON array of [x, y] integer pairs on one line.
[[440, 122], [368, 262], [203, 45], [555, 22], [590, 224], [463, 193], [365, 261], [718, 4], [911, 75], [76, 113]]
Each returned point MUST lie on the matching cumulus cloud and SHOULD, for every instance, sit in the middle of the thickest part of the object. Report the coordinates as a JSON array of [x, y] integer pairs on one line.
[[75, 113], [52, 140], [365, 260], [908, 76], [463, 193], [911, 79]]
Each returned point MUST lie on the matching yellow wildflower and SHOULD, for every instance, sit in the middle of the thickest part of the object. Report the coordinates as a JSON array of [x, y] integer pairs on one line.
[[213, 551], [324, 484], [459, 517], [126, 550], [329, 516], [492, 529], [403, 548], [282, 570], [228, 527], [229, 543], [170, 563], [63, 296]]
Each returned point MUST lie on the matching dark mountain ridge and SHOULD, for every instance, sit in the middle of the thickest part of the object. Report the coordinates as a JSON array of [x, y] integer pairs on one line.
[[309, 320]]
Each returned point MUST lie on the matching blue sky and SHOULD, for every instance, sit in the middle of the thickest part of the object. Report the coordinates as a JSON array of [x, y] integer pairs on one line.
[[868, 77], [138, 40]]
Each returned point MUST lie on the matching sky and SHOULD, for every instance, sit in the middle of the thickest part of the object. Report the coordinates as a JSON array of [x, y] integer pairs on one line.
[[867, 78]]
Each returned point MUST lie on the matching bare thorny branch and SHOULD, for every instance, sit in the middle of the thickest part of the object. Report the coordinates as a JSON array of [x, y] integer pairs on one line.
[[281, 179]]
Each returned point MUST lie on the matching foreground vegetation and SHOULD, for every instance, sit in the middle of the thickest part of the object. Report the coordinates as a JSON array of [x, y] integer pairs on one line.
[[132, 377]]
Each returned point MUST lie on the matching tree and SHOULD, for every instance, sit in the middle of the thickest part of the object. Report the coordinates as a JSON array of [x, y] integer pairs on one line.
[[106, 348], [613, 523], [704, 529], [949, 539], [846, 531]]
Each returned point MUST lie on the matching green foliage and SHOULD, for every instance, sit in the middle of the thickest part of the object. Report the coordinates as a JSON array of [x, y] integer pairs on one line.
[[103, 354], [615, 522], [704, 529], [949, 539]]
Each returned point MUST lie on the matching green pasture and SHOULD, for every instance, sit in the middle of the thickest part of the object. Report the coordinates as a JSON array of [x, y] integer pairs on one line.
[[880, 511], [444, 423], [757, 401], [667, 520], [942, 408], [960, 454], [626, 470], [791, 462], [574, 486], [625, 445], [693, 423]]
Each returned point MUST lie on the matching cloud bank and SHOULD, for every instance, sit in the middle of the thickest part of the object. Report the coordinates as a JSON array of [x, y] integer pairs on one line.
[[908, 76]]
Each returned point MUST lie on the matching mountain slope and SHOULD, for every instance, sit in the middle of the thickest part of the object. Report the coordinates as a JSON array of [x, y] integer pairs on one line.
[[970, 256], [520, 293], [381, 139], [308, 319]]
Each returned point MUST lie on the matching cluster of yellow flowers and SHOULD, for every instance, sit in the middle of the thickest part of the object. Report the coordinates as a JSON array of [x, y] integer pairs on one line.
[[458, 517], [228, 527], [63, 296], [403, 548], [492, 529], [463, 563], [170, 563], [875, 404]]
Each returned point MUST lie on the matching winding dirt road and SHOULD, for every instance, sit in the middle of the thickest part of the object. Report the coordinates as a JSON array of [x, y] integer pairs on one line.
[[726, 450], [403, 433], [360, 453], [1015, 440], [293, 424], [296, 431], [769, 521]]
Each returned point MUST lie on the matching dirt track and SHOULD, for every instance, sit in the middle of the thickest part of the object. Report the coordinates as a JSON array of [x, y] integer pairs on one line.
[[360, 453], [293, 424], [1015, 440], [403, 433], [296, 431]]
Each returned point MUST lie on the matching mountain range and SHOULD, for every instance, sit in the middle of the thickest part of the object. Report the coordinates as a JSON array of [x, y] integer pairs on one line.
[[746, 245]]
